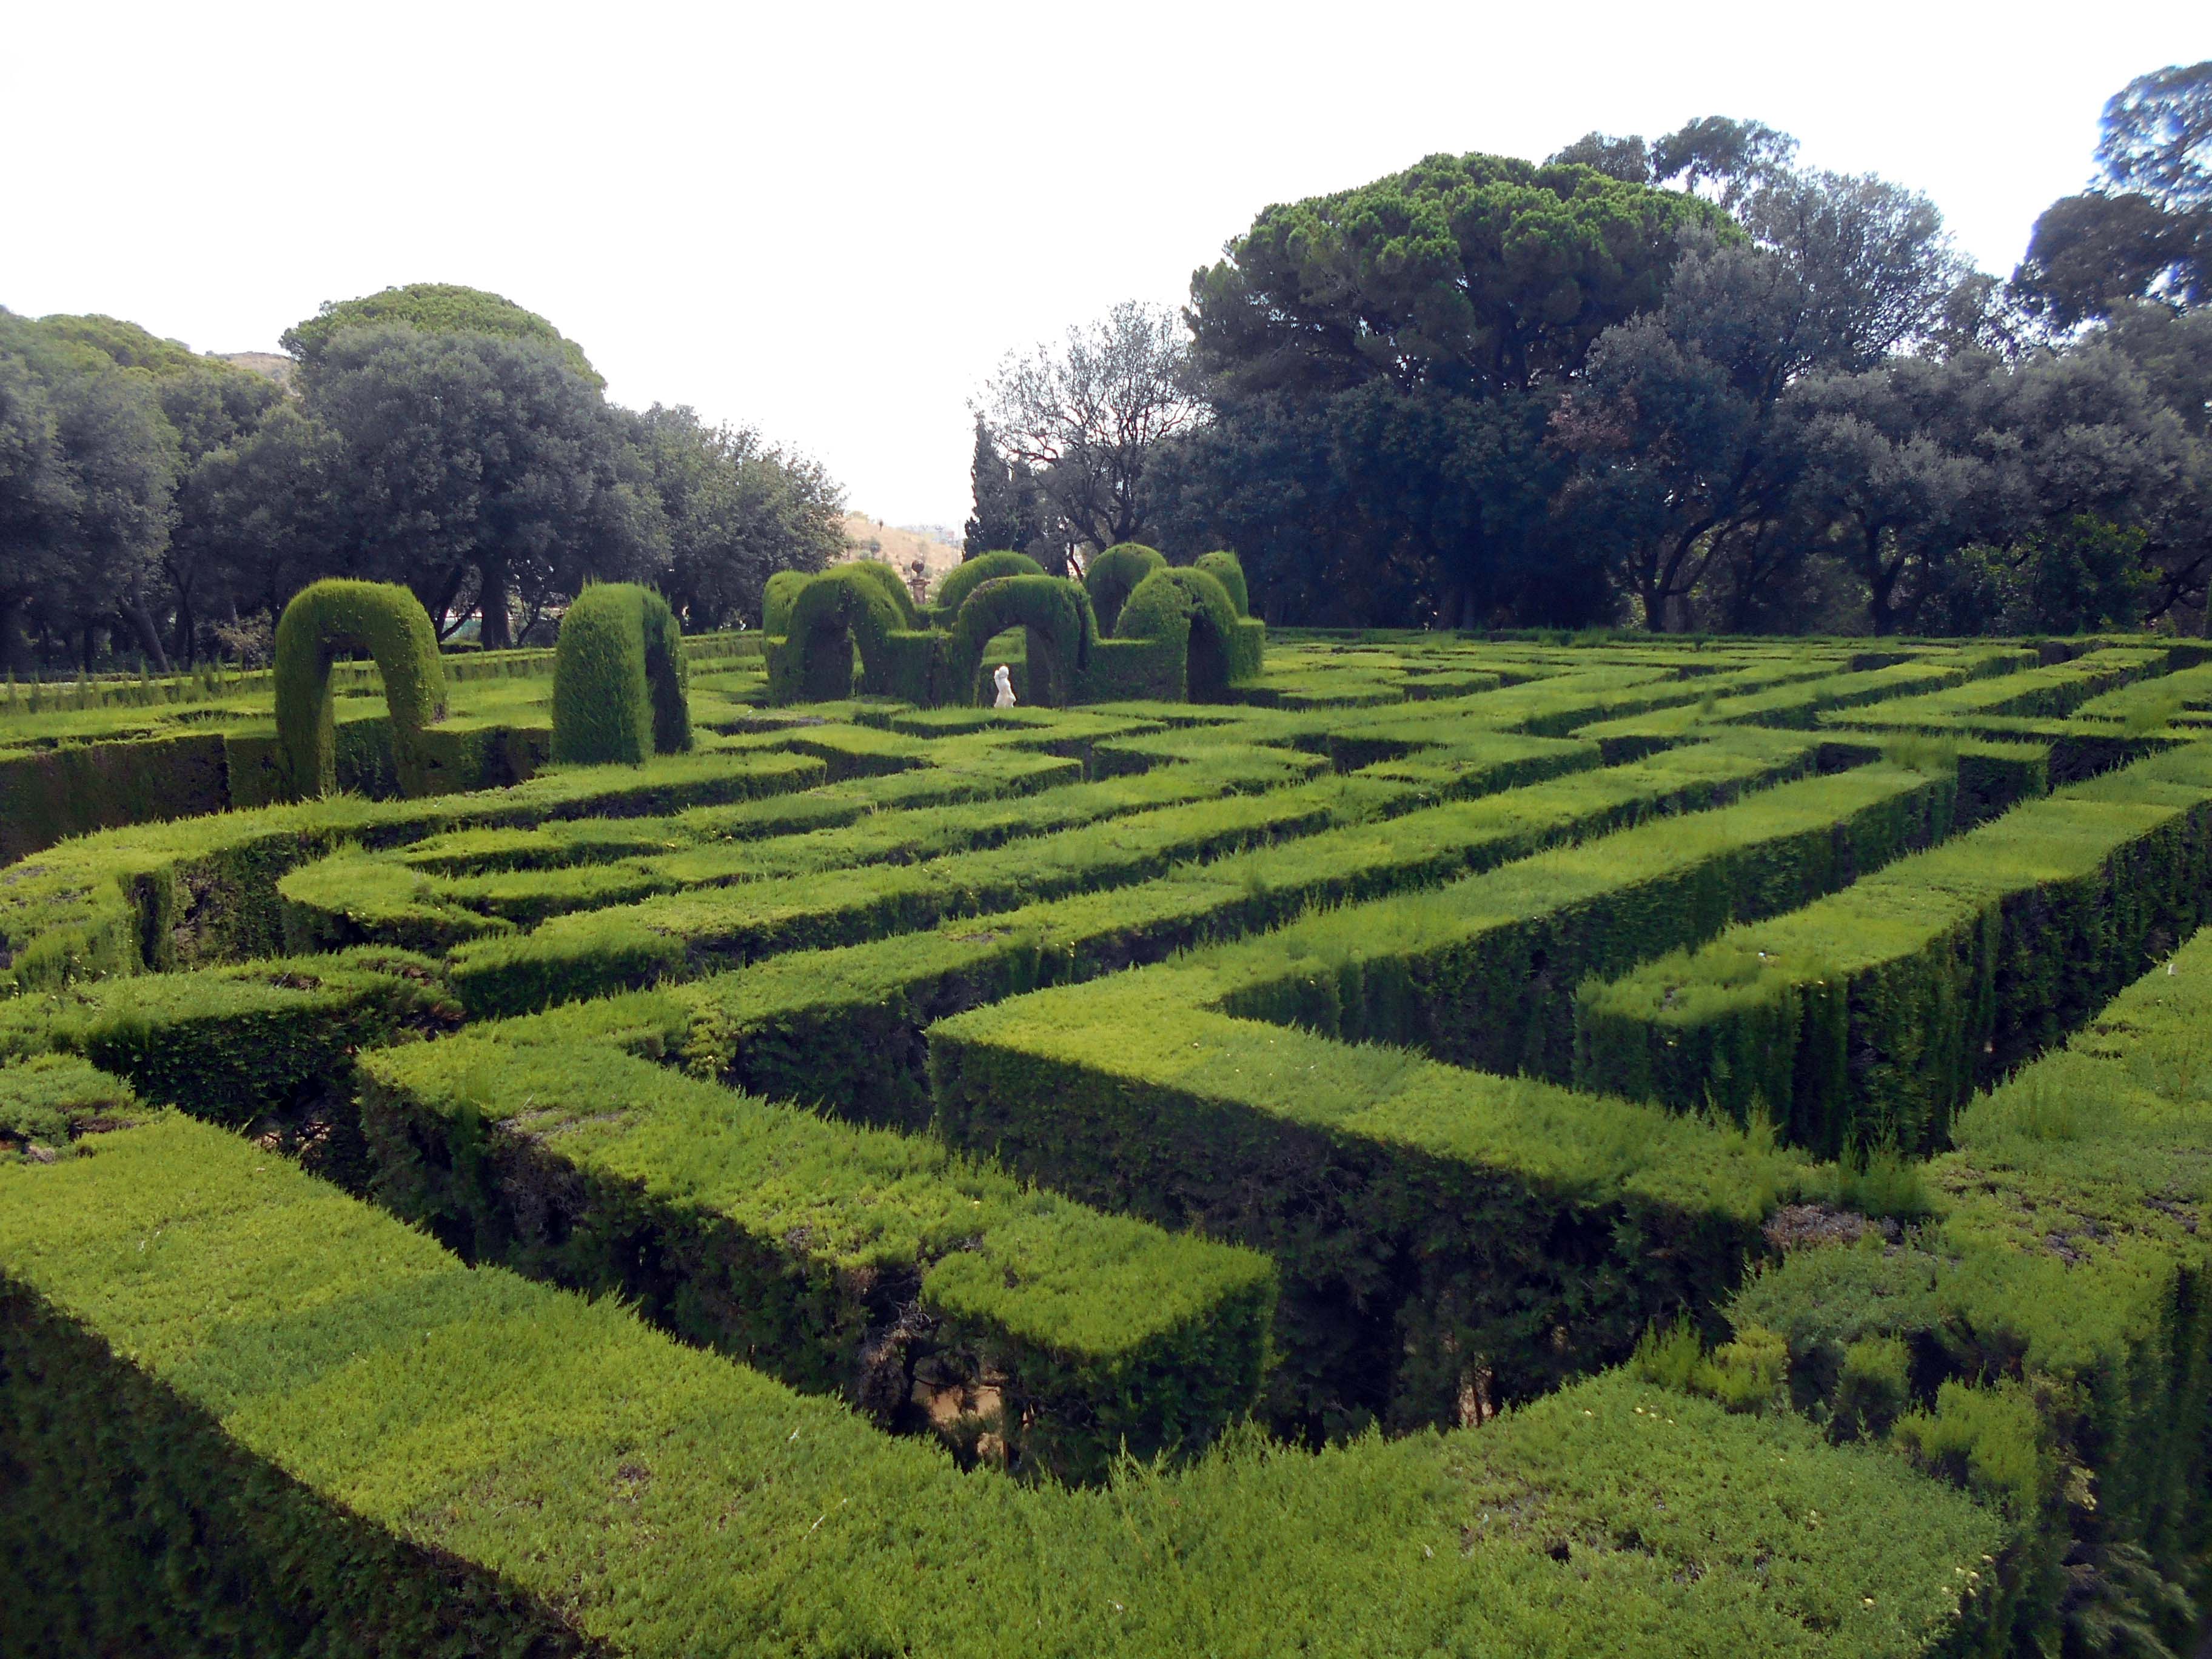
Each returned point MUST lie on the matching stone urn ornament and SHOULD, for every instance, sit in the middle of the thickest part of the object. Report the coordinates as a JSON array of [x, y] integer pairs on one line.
[[1003, 679]]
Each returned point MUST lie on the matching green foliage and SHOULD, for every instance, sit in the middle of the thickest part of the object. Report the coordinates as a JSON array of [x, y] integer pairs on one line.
[[1112, 575], [1188, 614], [888, 951], [1225, 568], [619, 692], [448, 1455], [1746, 1374], [431, 308], [1055, 616], [781, 595], [386, 621], [1991, 1440], [952, 592], [808, 1248], [1868, 1019]]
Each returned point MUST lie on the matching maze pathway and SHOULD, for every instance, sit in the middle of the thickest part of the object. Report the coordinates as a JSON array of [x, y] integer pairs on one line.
[[1148, 1179]]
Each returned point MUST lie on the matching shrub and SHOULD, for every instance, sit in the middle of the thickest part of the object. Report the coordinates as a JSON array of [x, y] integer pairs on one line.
[[385, 620], [781, 595], [952, 592], [1226, 569], [835, 610], [1114, 575], [1056, 618], [619, 678], [1186, 612]]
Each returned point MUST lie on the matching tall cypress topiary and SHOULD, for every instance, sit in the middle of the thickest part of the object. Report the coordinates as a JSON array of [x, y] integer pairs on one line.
[[618, 678], [385, 620]]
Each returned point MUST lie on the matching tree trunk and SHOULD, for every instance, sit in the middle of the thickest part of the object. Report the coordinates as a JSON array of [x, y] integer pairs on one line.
[[15, 649], [134, 612], [492, 604]]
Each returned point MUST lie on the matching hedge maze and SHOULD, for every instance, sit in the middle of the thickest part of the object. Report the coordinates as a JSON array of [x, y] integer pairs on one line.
[[1411, 1144]]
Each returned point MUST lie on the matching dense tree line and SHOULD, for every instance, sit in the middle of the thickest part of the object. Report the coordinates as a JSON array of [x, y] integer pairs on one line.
[[1685, 383], [165, 504]]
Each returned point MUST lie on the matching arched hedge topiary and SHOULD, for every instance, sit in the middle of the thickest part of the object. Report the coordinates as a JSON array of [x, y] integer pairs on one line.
[[383, 619], [893, 585], [1056, 616], [618, 678], [1114, 575], [1226, 569], [841, 606], [1185, 610], [964, 578], [782, 592]]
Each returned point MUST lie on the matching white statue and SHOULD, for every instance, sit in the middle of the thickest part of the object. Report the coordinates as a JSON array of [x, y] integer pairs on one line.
[[1004, 681]]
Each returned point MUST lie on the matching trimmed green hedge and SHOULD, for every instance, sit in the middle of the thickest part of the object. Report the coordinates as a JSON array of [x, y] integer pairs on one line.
[[1226, 569], [777, 597], [844, 1026], [1050, 611], [315, 1431], [387, 622], [168, 894], [231, 1044], [966, 576], [2068, 1274], [1112, 575], [1865, 1020], [619, 691], [878, 1266], [1215, 1093], [1189, 613]]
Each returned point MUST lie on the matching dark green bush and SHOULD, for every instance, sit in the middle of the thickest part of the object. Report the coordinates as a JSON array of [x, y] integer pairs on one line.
[[1055, 616], [777, 599], [619, 678], [1226, 569], [964, 578], [1186, 612], [1112, 575], [387, 622]]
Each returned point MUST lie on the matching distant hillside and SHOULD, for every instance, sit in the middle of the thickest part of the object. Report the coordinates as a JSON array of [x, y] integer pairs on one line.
[[273, 364], [873, 538]]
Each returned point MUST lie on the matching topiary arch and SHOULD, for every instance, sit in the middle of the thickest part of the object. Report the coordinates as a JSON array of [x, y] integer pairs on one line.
[[1114, 575], [782, 592], [1188, 611], [836, 609], [966, 577], [1052, 612], [383, 619], [618, 678]]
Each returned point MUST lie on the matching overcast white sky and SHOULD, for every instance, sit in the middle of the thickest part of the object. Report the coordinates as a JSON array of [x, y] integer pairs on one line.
[[831, 221]]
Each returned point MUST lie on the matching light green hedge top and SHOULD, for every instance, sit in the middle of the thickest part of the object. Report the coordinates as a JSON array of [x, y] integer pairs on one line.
[[385, 620]]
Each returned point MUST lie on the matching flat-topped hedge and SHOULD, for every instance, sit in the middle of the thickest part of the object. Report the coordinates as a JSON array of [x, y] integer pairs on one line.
[[1866, 1019], [881, 1266], [323, 1433]]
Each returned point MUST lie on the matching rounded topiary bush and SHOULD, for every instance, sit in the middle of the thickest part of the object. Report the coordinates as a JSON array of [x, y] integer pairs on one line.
[[618, 678], [1188, 611], [1226, 569], [971, 574], [1052, 612], [324, 619], [782, 593], [1114, 575]]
